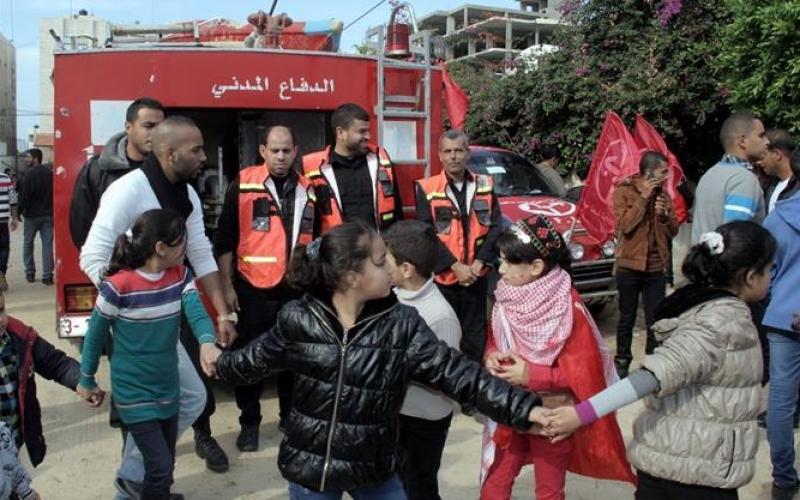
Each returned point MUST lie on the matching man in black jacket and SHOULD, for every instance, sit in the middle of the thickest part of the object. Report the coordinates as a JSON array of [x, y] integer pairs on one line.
[[122, 153], [35, 204]]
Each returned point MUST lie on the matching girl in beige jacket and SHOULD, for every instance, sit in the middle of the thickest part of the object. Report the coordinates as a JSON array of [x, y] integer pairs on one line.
[[697, 437]]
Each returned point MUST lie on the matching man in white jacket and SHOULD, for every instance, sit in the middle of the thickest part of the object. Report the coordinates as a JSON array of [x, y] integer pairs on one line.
[[161, 182]]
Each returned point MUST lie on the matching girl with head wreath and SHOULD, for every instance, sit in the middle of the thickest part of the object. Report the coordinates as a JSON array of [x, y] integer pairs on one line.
[[698, 434], [543, 338]]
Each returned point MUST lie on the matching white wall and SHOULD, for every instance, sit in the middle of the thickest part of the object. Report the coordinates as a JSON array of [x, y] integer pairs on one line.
[[65, 27]]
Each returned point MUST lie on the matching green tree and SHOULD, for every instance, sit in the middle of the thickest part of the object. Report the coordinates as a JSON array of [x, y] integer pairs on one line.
[[760, 59], [631, 56]]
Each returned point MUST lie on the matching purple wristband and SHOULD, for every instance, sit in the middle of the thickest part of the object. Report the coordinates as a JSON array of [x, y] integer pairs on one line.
[[586, 412]]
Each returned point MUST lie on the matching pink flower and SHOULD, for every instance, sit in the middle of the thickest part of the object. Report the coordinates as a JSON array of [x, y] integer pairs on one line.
[[668, 10]]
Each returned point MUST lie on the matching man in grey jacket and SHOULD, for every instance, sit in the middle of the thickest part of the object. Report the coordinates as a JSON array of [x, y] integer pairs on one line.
[[122, 153]]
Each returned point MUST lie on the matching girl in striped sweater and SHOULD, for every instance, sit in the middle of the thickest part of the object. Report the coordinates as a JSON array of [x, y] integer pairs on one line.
[[141, 300]]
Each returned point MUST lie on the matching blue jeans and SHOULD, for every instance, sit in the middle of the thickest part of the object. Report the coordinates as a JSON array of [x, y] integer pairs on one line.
[[43, 226], [390, 490], [784, 373], [156, 439], [192, 402]]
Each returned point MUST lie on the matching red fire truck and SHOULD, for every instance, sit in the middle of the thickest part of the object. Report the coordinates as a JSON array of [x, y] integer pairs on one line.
[[204, 71]]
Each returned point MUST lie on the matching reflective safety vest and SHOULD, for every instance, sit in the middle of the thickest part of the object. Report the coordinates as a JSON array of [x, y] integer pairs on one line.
[[447, 217], [264, 249], [317, 167]]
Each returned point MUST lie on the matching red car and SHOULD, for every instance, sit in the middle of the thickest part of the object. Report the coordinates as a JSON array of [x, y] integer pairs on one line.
[[523, 191]]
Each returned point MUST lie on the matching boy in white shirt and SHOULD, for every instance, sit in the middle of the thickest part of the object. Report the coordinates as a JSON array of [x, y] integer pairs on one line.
[[425, 416]]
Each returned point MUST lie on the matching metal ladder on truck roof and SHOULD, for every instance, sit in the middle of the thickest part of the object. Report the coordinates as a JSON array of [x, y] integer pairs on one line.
[[416, 107]]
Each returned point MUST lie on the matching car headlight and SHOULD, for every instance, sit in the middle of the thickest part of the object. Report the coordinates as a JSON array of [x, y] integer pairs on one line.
[[576, 250], [608, 248]]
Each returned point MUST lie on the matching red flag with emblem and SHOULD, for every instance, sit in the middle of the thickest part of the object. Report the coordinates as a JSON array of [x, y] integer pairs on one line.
[[616, 157], [456, 100], [648, 139]]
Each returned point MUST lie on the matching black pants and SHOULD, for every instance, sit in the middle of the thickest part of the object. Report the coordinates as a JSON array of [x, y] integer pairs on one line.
[[469, 304], [256, 317], [203, 422], [156, 440], [653, 488], [420, 446], [630, 284], [5, 246]]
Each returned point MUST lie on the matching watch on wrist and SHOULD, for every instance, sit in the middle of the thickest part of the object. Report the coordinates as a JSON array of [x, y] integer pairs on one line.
[[232, 317]]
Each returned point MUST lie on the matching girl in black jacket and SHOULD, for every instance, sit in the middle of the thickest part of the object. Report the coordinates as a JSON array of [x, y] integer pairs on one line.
[[353, 350]]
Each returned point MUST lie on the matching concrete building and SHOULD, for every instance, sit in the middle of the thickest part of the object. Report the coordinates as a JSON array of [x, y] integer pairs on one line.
[[8, 104], [73, 32], [494, 34]]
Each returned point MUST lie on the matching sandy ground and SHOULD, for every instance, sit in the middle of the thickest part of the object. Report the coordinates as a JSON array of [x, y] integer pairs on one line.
[[83, 451]]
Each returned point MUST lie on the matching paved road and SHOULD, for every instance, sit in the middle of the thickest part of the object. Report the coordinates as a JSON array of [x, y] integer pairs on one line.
[[83, 452]]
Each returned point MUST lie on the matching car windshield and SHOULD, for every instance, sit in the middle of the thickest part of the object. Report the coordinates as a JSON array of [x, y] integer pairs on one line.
[[513, 175]]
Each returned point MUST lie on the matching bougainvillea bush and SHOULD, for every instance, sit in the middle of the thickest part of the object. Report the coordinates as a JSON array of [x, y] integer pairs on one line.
[[759, 59], [632, 56]]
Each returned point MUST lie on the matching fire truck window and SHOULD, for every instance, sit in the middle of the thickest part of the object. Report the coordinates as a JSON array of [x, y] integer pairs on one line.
[[400, 139]]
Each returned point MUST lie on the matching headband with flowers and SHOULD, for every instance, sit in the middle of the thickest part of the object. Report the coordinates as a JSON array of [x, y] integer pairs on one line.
[[539, 232]]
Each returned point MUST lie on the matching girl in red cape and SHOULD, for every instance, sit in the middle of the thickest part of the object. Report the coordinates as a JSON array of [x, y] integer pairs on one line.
[[542, 338]]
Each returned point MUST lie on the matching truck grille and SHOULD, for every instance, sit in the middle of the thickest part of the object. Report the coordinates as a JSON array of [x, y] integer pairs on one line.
[[594, 276]]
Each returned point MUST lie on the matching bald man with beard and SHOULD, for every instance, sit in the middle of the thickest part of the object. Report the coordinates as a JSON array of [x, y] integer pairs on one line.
[[163, 182], [268, 210]]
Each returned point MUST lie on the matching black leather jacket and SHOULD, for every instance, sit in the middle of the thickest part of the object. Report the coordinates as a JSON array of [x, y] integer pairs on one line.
[[349, 386]]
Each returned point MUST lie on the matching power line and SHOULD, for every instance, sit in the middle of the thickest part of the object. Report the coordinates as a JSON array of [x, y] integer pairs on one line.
[[364, 14]]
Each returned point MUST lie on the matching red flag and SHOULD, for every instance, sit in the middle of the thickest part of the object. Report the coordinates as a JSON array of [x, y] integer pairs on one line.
[[456, 100], [616, 157], [648, 139]]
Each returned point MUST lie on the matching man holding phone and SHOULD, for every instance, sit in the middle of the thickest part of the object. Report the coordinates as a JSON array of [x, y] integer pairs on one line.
[[646, 224]]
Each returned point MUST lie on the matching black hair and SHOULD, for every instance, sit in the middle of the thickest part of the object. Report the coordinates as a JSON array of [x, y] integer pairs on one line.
[[650, 161], [346, 114], [780, 140], [143, 102], [550, 152], [516, 251], [414, 242], [36, 154], [269, 130], [736, 125], [344, 248], [150, 228], [747, 247]]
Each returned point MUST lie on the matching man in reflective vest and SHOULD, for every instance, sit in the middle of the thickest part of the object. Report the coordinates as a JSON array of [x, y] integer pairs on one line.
[[267, 211], [353, 179], [465, 214]]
